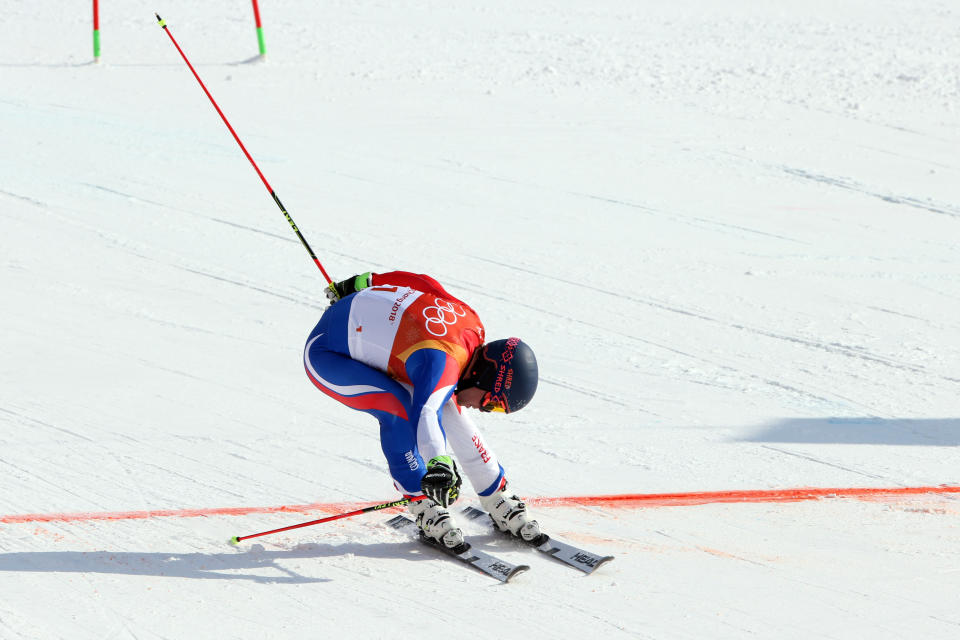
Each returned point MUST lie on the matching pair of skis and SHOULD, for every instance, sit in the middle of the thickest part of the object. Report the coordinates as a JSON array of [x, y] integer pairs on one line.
[[581, 559]]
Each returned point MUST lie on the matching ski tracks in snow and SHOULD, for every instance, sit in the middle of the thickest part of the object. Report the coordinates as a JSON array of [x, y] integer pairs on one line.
[[833, 348], [925, 204]]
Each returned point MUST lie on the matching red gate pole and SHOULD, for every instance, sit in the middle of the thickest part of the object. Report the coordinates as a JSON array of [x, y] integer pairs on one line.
[[96, 31], [256, 18]]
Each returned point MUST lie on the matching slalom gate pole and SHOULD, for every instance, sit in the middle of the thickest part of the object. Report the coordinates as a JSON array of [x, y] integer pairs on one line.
[[96, 30], [273, 194], [256, 19], [376, 507]]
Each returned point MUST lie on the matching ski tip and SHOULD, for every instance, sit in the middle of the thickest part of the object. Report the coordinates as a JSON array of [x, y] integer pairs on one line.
[[235, 540], [516, 570], [602, 561]]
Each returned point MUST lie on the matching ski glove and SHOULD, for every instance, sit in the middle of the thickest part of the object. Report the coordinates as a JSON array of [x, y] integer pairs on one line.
[[442, 481], [342, 289]]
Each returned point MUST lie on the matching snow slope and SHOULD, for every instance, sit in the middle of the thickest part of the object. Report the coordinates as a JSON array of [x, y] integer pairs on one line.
[[729, 230]]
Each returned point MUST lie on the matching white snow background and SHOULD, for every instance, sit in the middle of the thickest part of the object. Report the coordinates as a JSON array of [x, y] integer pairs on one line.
[[728, 229]]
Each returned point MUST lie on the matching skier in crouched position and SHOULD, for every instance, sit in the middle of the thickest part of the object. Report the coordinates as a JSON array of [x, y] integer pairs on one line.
[[401, 348]]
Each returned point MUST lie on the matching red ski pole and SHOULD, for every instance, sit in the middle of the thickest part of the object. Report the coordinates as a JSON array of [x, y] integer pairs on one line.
[[246, 153], [376, 507]]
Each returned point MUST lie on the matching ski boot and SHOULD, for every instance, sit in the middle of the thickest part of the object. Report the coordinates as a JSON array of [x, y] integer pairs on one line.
[[509, 513], [436, 523]]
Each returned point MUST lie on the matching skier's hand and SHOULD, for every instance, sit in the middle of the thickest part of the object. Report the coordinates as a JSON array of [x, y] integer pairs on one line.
[[442, 481], [342, 289]]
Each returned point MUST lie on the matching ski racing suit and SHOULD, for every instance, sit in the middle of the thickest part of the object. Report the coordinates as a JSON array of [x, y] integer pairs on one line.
[[396, 350]]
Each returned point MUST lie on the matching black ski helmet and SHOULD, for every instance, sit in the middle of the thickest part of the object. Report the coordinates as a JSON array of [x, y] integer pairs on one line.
[[507, 369]]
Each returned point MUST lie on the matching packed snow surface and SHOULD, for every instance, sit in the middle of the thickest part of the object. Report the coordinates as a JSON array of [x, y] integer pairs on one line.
[[729, 230]]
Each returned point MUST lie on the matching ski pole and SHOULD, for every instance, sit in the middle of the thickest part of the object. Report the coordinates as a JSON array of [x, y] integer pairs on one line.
[[245, 152], [377, 507]]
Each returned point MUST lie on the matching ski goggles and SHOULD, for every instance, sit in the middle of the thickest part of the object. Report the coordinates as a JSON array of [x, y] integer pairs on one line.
[[490, 402]]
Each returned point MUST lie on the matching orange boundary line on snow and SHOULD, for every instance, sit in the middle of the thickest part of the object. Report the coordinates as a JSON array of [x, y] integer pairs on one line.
[[633, 500], [719, 497]]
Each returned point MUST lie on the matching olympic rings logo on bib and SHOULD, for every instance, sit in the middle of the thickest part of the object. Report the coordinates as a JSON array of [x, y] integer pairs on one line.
[[441, 315]]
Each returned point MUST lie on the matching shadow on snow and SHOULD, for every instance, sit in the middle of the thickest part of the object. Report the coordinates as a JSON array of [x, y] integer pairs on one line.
[[940, 432], [235, 565]]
